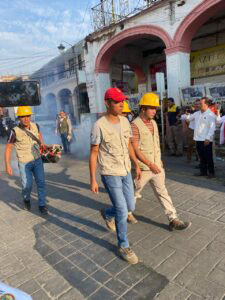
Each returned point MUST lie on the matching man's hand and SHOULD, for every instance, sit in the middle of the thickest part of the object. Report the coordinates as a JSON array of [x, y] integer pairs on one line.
[[154, 168], [9, 171], [94, 186], [138, 173], [206, 142]]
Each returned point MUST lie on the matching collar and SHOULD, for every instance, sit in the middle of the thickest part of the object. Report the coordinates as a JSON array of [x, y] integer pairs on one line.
[[21, 126], [146, 121]]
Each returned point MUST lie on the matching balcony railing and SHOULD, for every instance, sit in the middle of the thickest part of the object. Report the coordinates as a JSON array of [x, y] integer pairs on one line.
[[108, 12]]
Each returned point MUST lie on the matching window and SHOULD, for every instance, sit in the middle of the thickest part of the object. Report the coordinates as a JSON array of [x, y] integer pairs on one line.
[[80, 63], [71, 63]]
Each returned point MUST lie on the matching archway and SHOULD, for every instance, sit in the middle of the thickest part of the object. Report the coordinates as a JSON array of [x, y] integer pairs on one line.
[[193, 21], [140, 50], [127, 36], [202, 34]]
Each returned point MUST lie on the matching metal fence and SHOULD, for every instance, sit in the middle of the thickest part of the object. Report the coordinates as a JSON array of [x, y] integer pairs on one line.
[[112, 11]]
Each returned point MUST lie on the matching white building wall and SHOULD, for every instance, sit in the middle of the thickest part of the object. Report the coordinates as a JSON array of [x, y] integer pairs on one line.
[[168, 18], [178, 74]]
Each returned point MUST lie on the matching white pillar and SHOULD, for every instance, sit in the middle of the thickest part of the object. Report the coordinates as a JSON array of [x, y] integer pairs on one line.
[[103, 82], [178, 74]]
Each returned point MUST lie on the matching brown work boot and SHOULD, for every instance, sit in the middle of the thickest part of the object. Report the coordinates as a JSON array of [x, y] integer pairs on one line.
[[109, 223], [128, 255], [131, 219], [177, 224]]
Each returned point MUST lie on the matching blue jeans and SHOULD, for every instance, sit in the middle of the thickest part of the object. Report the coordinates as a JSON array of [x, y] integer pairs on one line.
[[65, 142], [121, 194], [27, 171]]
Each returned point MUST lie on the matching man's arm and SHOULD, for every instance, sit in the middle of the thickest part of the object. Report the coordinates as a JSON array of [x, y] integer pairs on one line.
[[93, 167], [153, 167], [69, 127], [8, 151], [134, 160], [212, 128]]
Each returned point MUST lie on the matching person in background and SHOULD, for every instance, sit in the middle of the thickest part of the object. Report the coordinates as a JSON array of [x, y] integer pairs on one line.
[[112, 149], [205, 125], [184, 116], [174, 132], [146, 145], [126, 112], [222, 130], [190, 134], [29, 158], [64, 128]]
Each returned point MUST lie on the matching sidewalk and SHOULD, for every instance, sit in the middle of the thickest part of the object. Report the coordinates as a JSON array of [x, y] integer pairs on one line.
[[69, 255]]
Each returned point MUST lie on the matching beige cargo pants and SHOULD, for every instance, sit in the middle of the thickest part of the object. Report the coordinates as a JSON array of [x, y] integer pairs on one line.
[[157, 182]]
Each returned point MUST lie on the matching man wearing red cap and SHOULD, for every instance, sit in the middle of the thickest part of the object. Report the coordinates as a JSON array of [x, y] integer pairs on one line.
[[111, 147]]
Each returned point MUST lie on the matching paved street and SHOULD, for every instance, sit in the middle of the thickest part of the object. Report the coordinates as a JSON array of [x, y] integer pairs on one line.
[[69, 255]]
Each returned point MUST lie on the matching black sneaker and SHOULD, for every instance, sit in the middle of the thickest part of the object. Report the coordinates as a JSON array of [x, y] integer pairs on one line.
[[27, 205], [43, 210]]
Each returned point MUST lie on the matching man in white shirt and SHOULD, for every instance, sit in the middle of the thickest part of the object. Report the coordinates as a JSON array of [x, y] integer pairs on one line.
[[205, 125]]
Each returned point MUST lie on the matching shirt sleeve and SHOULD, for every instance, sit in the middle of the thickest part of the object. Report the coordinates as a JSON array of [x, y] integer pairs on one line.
[[12, 137], [96, 136], [212, 127], [135, 133], [129, 125], [191, 117]]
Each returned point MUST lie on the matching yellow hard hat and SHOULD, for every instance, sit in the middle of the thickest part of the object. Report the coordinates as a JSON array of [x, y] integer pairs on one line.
[[126, 108], [24, 111], [150, 99]]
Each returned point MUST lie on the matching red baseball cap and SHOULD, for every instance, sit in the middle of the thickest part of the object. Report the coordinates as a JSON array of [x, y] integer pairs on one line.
[[115, 94]]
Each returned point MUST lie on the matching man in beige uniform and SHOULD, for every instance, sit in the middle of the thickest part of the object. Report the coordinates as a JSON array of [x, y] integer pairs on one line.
[[146, 145], [111, 149], [24, 138]]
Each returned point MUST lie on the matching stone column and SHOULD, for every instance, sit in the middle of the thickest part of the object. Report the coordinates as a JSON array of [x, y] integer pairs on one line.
[[178, 73], [102, 83]]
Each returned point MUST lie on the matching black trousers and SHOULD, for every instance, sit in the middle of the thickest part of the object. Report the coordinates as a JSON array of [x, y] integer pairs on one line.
[[205, 154]]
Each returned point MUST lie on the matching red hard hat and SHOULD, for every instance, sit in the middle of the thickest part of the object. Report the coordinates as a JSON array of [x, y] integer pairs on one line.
[[115, 94]]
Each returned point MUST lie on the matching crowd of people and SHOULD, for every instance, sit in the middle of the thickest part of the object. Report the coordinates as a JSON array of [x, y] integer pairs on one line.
[[193, 127], [126, 150]]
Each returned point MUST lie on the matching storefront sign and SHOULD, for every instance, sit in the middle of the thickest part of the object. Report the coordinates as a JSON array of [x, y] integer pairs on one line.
[[208, 62]]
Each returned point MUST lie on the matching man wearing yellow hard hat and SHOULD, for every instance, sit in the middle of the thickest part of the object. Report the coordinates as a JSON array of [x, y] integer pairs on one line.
[[27, 138], [126, 112], [146, 145]]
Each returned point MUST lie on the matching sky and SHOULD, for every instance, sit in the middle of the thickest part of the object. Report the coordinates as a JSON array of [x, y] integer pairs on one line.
[[31, 31]]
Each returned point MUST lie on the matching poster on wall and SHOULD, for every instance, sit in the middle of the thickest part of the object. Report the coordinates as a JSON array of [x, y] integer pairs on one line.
[[190, 94], [133, 101], [216, 92]]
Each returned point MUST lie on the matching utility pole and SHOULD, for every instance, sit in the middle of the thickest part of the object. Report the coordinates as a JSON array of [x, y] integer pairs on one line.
[[113, 12], [103, 12]]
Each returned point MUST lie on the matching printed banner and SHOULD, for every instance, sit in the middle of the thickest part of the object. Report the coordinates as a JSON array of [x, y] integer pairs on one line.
[[208, 62]]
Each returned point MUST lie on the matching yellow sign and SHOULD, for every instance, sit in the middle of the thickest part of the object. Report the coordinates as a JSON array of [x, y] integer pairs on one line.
[[208, 62]]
